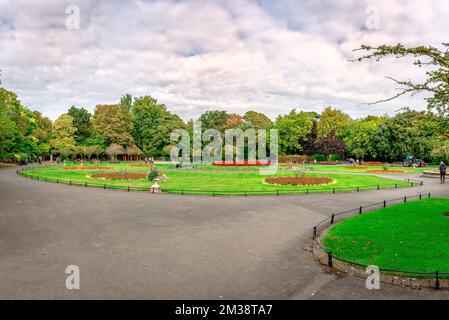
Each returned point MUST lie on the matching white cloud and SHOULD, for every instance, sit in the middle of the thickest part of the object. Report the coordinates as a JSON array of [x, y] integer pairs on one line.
[[197, 55]]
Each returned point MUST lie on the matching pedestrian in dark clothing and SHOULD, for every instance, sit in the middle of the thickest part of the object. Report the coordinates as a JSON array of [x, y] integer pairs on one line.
[[443, 172]]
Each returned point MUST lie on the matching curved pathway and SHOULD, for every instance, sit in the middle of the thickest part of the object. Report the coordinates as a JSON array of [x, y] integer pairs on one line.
[[144, 246]]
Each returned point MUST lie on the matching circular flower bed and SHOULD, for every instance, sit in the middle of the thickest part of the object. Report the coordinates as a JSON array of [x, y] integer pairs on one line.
[[385, 171], [307, 181], [120, 176], [88, 168]]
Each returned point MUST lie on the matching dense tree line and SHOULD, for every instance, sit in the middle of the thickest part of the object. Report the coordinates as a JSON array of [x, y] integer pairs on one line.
[[143, 126]]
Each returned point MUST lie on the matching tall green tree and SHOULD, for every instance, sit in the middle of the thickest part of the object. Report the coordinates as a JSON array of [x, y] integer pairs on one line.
[[214, 119], [256, 120], [42, 134], [359, 137], [9, 135], [332, 120], [19, 125], [114, 123], [81, 121], [293, 129], [152, 126], [63, 140], [408, 133]]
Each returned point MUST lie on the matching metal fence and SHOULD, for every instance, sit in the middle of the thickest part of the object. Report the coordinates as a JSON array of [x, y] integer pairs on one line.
[[336, 217], [277, 192]]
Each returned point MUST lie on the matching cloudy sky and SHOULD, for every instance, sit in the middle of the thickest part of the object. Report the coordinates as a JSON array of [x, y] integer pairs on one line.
[[236, 55]]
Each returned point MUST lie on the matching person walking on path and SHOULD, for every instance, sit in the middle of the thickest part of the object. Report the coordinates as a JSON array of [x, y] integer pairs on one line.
[[442, 172]]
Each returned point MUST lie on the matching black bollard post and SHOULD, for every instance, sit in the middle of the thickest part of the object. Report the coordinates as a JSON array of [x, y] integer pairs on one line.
[[329, 260], [437, 281]]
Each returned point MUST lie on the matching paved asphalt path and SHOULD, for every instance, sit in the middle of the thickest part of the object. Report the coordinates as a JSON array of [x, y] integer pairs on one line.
[[142, 246]]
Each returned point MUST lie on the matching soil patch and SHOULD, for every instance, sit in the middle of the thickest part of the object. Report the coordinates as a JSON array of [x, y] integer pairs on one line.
[[120, 175], [307, 181]]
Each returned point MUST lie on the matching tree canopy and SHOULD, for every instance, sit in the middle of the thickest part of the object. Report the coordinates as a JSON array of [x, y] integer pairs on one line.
[[143, 125], [152, 125], [81, 121], [293, 129], [113, 122]]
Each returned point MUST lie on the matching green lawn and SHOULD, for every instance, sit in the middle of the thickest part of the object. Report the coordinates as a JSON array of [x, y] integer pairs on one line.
[[410, 236], [343, 168], [210, 182]]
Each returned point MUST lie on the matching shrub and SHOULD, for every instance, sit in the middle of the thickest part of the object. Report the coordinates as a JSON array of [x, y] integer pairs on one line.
[[334, 157], [319, 157], [153, 174]]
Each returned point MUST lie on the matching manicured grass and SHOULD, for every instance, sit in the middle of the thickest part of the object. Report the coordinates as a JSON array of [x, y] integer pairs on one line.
[[251, 181], [410, 236], [214, 182], [342, 168]]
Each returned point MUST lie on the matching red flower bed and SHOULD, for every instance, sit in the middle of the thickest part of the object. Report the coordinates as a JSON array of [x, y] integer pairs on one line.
[[385, 171], [242, 163], [307, 181], [373, 163]]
